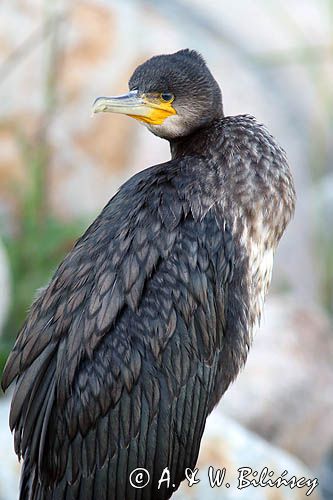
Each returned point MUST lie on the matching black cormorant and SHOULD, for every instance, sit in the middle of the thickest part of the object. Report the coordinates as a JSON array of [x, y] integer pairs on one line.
[[149, 318]]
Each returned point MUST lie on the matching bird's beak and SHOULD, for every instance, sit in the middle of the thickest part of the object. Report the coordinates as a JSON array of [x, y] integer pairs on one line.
[[147, 108]]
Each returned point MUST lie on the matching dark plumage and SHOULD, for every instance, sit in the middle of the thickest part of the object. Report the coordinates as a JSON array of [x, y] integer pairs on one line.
[[150, 316]]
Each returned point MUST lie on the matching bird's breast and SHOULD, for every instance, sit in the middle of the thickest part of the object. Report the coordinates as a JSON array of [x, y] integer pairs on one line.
[[257, 240]]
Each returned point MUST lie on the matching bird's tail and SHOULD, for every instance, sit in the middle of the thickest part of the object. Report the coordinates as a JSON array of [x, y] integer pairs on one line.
[[30, 487], [25, 483]]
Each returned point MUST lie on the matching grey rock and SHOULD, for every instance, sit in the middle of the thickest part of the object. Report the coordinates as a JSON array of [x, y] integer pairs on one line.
[[228, 445], [10, 467], [285, 390]]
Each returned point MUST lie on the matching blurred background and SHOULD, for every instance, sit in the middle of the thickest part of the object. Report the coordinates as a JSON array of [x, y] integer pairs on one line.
[[59, 166]]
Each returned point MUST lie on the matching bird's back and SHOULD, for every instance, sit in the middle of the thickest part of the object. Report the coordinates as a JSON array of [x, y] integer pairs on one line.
[[116, 362], [146, 322]]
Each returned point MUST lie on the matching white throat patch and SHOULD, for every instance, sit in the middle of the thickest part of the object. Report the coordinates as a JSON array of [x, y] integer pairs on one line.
[[172, 127]]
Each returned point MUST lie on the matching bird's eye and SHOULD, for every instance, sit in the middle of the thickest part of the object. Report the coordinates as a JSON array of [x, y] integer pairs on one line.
[[167, 97]]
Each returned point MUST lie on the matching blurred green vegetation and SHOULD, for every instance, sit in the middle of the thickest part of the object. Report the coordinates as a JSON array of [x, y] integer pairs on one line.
[[37, 246], [41, 240]]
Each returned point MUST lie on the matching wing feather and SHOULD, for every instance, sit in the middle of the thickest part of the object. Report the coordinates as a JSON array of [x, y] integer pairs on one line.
[[117, 360]]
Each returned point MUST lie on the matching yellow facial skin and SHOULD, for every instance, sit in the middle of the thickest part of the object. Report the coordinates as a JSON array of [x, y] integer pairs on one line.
[[148, 108], [157, 110]]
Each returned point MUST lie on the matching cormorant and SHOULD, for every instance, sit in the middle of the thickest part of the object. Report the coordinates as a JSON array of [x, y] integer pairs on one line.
[[149, 318]]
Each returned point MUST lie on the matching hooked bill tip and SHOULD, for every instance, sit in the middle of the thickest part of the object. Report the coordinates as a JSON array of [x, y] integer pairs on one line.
[[98, 105]]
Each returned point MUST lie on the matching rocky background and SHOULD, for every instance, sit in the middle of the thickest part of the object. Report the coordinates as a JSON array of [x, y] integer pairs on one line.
[[59, 166]]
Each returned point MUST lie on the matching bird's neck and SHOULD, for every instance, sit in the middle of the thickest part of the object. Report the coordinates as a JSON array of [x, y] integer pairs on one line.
[[195, 143]]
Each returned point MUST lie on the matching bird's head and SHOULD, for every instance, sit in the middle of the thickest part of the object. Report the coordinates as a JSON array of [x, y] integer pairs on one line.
[[173, 95]]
